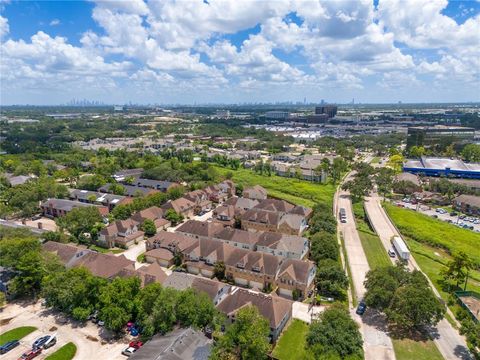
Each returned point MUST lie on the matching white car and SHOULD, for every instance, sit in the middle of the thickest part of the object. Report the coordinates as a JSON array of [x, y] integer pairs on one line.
[[129, 351]]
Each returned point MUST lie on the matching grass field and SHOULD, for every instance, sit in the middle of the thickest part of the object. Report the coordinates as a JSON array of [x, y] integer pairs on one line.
[[106, 251], [435, 233], [291, 345], [66, 352], [16, 334], [371, 243], [407, 349], [296, 191]]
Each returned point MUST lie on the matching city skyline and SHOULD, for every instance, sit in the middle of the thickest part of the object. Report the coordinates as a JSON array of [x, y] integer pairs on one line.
[[240, 52]]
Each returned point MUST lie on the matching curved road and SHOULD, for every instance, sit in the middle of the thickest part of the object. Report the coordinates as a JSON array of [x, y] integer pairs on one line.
[[450, 343]]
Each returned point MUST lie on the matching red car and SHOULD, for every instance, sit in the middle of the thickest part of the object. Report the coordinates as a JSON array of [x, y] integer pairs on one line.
[[137, 344], [31, 354]]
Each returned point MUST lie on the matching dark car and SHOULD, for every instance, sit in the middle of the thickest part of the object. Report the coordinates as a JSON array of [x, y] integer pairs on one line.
[[40, 342], [361, 308], [9, 346], [453, 213]]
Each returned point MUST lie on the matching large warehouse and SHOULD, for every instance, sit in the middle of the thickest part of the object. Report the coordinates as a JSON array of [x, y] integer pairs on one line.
[[442, 167]]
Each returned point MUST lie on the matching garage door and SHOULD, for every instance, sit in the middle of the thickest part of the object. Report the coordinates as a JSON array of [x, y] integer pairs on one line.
[[192, 270], [256, 285], [285, 292], [239, 281], [207, 273]]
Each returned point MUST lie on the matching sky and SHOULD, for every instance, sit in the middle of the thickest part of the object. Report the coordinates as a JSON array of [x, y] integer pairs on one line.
[[231, 51]]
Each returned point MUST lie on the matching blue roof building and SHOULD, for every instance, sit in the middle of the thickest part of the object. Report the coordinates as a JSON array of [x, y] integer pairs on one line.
[[445, 167]]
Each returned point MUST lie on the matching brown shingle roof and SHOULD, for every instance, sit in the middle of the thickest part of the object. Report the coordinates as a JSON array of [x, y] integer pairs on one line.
[[160, 253], [104, 265], [297, 270], [208, 286], [275, 205], [200, 228], [172, 241], [151, 213], [240, 236], [271, 307], [65, 252]]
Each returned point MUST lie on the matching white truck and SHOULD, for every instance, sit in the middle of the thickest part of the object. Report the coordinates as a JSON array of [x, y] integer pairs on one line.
[[401, 248]]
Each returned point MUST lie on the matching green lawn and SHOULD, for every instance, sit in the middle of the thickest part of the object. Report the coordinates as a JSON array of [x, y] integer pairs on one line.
[[371, 243], [407, 349], [296, 191], [66, 352], [291, 345], [434, 232], [105, 251], [16, 334], [375, 160]]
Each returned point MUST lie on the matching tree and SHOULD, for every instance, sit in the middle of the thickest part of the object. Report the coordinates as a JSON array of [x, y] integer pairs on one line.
[[246, 338], [339, 166], [323, 246], [219, 270], [405, 297], [416, 151], [173, 217], [80, 220], [335, 335], [457, 269], [396, 163], [359, 187], [74, 291], [471, 153], [384, 180], [148, 226], [331, 279]]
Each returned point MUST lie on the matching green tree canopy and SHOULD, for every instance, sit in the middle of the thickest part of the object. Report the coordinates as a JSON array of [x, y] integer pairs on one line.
[[335, 335], [246, 338]]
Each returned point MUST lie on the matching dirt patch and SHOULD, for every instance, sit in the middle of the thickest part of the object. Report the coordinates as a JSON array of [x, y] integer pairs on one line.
[[53, 328], [92, 338], [5, 321]]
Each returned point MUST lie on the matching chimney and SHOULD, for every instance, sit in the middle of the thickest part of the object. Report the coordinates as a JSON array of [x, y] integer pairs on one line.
[[40, 225]]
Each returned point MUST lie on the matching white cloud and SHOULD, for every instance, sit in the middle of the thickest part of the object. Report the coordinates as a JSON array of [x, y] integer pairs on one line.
[[4, 28], [54, 22]]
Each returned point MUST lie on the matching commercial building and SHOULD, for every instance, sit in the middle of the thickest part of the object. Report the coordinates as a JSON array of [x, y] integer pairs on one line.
[[330, 110], [277, 115], [442, 167], [468, 204], [439, 134]]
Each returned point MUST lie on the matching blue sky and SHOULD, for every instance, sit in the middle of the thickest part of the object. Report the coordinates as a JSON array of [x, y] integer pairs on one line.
[[232, 52]]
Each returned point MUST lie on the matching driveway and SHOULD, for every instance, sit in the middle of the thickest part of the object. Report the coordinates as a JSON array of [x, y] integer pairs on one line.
[[88, 338], [133, 252], [300, 311]]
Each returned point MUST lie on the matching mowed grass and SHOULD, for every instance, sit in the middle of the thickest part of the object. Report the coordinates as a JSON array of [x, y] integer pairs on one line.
[[408, 349], [299, 192], [16, 334], [291, 345], [371, 243], [437, 233], [66, 352]]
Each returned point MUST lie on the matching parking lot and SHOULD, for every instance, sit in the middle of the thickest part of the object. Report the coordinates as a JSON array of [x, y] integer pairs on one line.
[[442, 215], [92, 341]]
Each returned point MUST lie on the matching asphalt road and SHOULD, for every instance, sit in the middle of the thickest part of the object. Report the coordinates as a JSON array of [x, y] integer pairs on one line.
[[377, 343], [450, 343]]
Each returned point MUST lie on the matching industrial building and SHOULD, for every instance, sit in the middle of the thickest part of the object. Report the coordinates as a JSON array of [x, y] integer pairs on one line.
[[442, 167]]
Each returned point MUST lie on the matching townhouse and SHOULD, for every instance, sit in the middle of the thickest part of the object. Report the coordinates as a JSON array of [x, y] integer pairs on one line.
[[107, 266], [295, 279], [121, 233], [98, 198], [60, 207], [181, 206], [199, 229], [288, 246], [276, 310], [162, 186], [200, 199], [256, 192], [129, 190], [153, 213]]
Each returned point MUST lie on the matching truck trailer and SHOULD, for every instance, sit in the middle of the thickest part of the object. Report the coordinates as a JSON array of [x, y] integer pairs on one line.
[[401, 248]]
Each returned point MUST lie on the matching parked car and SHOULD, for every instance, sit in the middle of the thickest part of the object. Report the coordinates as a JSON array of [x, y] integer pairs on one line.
[[129, 351], [391, 253], [40, 341], [137, 344], [50, 342], [31, 354], [101, 323], [9, 346], [361, 308], [453, 213]]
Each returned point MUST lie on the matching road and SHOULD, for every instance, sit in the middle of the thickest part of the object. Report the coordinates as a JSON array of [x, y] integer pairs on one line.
[[377, 343], [451, 345]]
